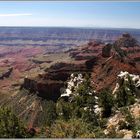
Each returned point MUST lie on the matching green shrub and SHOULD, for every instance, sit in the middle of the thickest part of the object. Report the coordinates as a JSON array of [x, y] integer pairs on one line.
[[128, 118], [90, 117], [99, 133], [10, 126], [74, 128]]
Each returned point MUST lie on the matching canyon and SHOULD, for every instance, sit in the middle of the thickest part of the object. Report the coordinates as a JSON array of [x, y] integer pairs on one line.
[[35, 63]]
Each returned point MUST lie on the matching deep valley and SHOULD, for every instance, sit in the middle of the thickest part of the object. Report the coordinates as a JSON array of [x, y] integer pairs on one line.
[[43, 68]]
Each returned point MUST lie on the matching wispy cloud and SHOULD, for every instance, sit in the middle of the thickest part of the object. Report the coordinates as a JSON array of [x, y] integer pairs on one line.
[[15, 15]]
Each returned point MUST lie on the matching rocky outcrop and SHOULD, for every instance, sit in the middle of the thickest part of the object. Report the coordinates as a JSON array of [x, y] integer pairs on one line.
[[87, 51], [110, 63], [40, 61], [29, 84], [6, 73], [128, 134], [91, 62], [47, 89], [135, 110], [106, 51], [126, 40]]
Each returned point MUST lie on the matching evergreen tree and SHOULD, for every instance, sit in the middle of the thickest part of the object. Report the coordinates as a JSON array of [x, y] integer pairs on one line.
[[125, 95], [106, 102]]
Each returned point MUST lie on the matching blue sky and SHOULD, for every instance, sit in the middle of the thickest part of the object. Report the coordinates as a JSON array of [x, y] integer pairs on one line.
[[72, 14]]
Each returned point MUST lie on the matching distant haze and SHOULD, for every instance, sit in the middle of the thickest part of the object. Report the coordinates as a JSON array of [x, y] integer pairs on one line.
[[70, 14]]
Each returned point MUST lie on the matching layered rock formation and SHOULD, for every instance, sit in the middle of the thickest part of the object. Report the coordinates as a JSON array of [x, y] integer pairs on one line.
[[126, 40], [103, 61], [48, 85], [118, 58]]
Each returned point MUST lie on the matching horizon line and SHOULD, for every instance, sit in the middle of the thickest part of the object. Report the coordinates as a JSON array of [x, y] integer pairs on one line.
[[86, 27]]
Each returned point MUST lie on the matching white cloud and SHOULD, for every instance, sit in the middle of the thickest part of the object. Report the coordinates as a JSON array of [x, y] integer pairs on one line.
[[15, 15]]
